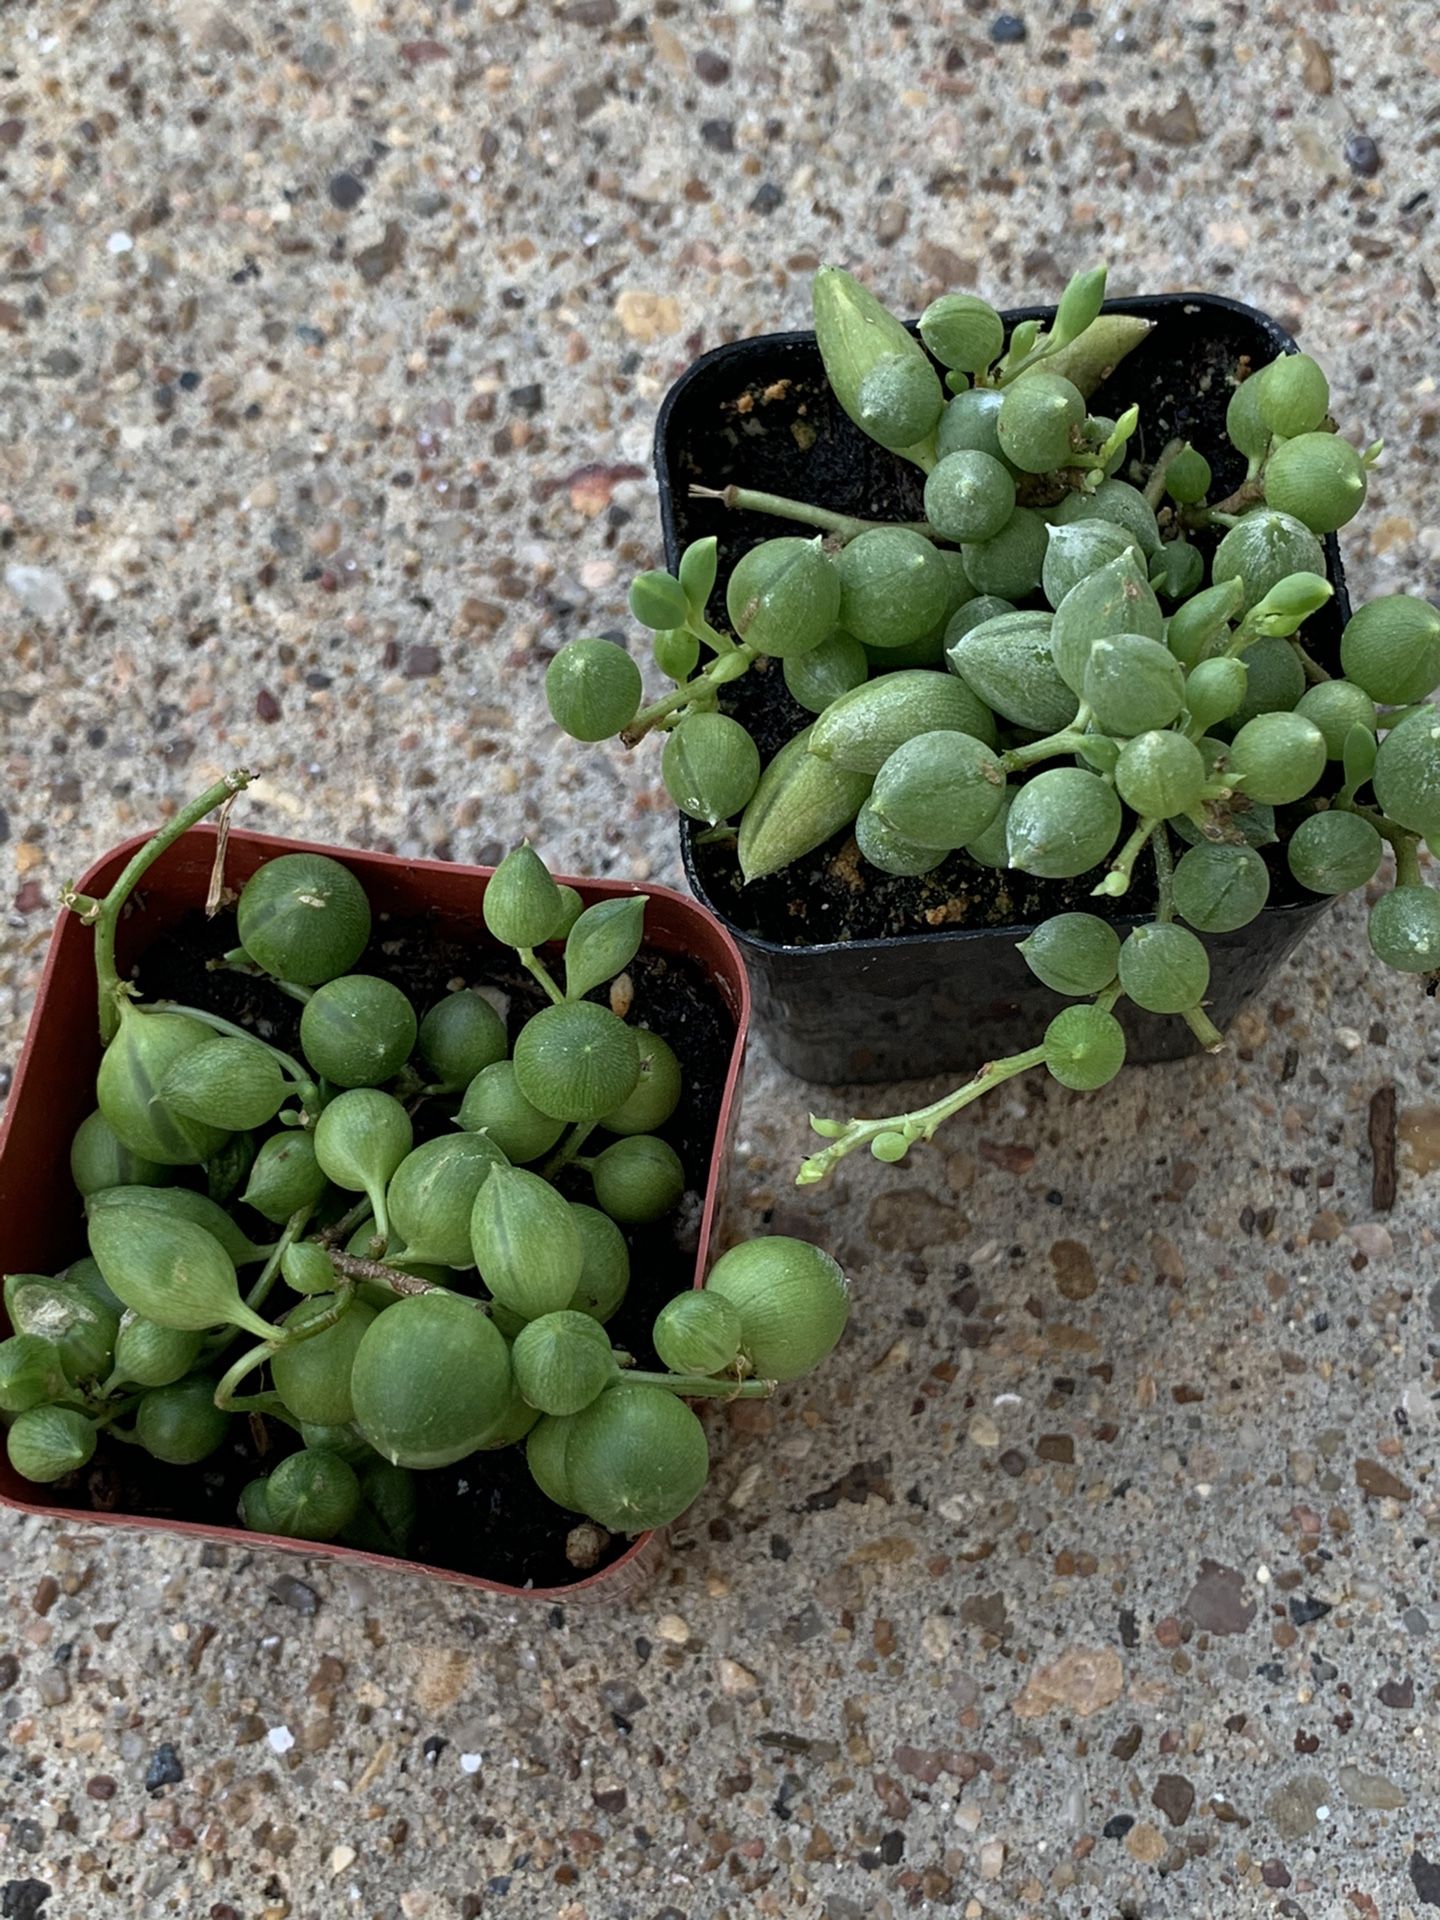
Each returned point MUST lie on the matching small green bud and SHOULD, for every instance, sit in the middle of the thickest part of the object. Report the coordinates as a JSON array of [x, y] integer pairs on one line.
[[593, 688], [1289, 604], [307, 1268], [891, 852], [1177, 570], [522, 903], [889, 1147], [968, 422], [1080, 304], [603, 942], [1188, 476], [1244, 423], [677, 654], [699, 565], [1194, 630], [698, 1333], [963, 331]]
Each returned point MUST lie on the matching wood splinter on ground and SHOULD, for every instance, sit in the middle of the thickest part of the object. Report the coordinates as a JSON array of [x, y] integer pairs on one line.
[[1383, 1178]]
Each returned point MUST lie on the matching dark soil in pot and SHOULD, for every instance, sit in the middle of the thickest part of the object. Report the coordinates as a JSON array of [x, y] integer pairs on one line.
[[761, 415], [483, 1516]]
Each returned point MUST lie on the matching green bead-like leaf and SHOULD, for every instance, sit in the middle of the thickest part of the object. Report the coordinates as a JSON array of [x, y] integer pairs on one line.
[[1404, 932], [1335, 706], [605, 1269], [312, 1495], [31, 1373], [1277, 757], [1407, 774], [431, 1381], [1218, 889], [132, 1072], [783, 596], [1197, 628], [1391, 648], [1009, 663], [46, 1443], [698, 1332], [1132, 684], [562, 1361], [1292, 395], [657, 1091], [459, 1037], [494, 1105], [1062, 823], [304, 918], [1114, 599], [1262, 550], [170, 1271], [358, 1031], [1073, 953], [698, 566], [1160, 774], [99, 1158], [1084, 1048], [1319, 478], [180, 1203], [1075, 552], [638, 1179], [894, 587], [432, 1196], [593, 689], [855, 334], [711, 766], [939, 790], [963, 331], [1011, 562], [820, 677], [525, 1243], [1164, 968], [312, 1376], [890, 851], [1119, 503], [1334, 852], [1187, 478], [522, 904], [635, 1458], [793, 1301], [285, 1178], [575, 1062], [862, 729], [181, 1424]]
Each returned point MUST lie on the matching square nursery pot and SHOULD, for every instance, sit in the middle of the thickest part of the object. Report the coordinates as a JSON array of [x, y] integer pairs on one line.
[[41, 1227], [908, 1005]]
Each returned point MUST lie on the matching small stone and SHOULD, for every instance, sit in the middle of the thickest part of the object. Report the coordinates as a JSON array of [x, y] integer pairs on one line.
[[1118, 1825], [672, 1630], [294, 1593], [267, 707], [1425, 1878], [346, 191], [1304, 1612], [712, 68], [647, 316], [1379, 1482], [375, 262], [900, 1220], [1008, 30], [1178, 126], [766, 197], [62, 363], [529, 399], [1371, 1790], [1275, 1873], [1399, 1694], [1126, 1745], [1175, 1798], [40, 590], [341, 1859], [1146, 1844], [164, 1769], [891, 219], [280, 1739], [718, 135], [984, 1432], [1315, 68], [1082, 1680], [622, 1697], [100, 1787], [422, 663], [1294, 1808], [1217, 1600], [1362, 156], [24, 1899], [1074, 1269], [737, 1681], [992, 1859], [1415, 1623], [9, 1671], [52, 1687]]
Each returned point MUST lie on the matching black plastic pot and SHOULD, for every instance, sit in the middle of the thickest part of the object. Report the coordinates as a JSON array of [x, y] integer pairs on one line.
[[908, 1005]]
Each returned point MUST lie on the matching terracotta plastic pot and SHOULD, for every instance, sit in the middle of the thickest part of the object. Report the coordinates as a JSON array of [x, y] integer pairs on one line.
[[40, 1221], [910, 1005]]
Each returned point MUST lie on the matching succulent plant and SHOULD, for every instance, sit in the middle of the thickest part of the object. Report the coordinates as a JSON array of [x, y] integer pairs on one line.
[[1078, 657], [381, 1346]]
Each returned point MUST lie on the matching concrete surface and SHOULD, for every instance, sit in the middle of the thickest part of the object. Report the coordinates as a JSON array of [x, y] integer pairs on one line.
[[1097, 1577]]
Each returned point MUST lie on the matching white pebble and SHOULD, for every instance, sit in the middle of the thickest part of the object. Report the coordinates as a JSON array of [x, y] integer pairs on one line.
[[281, 1739], [470, 1762], [119, 243]]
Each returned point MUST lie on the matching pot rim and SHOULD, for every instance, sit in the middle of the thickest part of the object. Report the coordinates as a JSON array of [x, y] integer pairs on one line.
[[646, 1547]]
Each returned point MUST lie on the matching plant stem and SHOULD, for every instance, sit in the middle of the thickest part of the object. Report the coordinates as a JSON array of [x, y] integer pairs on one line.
[[534, 964], [1204, 1029], [568, 1149], [728, 666], [1164, 859], [696, 1385], [1069, 740], [920, 1125], [844, 526], [1117, 881], [107, 978], [403, 1284], [294, 1227], [1155, 485], [230, 1380]]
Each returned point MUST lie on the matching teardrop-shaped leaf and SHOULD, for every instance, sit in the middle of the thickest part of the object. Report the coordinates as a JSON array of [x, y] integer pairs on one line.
[[602, 943], [171, 1271], [698, 566], [1079, 305], [1361, 748]]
